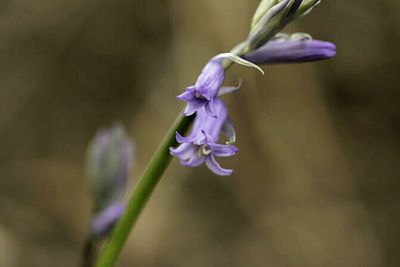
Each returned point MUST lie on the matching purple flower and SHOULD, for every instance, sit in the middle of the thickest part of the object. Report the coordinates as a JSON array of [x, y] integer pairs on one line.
[[209, 83], [202, 94], [200, 146], [103, 222], [292, 51]]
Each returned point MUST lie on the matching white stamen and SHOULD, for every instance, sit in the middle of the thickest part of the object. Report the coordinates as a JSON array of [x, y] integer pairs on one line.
[[205, 150]]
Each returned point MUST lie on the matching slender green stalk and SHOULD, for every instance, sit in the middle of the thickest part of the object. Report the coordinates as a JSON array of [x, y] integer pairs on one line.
[[143, 190], [147, 183], [89, 253]]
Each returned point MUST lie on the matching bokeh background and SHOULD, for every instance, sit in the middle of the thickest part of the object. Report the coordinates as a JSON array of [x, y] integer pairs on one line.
[[316, 180]]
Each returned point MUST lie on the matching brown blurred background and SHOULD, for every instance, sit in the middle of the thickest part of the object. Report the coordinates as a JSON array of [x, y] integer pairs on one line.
[[316, 180]]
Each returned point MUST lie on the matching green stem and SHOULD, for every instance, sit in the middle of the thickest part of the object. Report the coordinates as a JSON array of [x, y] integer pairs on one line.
[[89, 253], [147, 183]]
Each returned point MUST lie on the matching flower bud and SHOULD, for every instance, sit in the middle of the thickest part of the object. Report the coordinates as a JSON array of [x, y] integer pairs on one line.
[[262, 8], [270, 21], [109, 163], [295, 48], [306, 7]]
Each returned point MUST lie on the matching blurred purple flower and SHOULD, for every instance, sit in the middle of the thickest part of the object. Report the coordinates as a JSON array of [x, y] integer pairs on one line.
[[201, 145], [292, 51], [103, 222], [109, 163], [202, 94]]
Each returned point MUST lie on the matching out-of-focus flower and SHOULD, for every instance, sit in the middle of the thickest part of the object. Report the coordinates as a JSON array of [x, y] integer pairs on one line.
[[103, 222], [263, 7], [201, 145], [292, 50], [109, 160], [109, 163]]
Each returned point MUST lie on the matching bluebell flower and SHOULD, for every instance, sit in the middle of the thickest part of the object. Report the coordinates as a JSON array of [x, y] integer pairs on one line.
[[284, 50], [109, 163], [201, 145], [208, 84], [206, 88]]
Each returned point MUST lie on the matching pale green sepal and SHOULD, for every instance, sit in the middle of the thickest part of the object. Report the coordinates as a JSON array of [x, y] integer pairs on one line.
[[238, 60], [229, 131], [306, 7], [270, 24], [230, 89], [298, 36], [262, 8]]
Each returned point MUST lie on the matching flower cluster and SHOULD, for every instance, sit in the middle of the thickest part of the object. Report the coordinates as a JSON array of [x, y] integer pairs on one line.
[[264, 45], [202, 146]]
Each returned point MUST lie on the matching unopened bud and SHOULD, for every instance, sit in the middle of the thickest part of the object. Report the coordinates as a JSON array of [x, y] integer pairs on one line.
[[109, 164], [306, 7], [270, 18], [262, 8], [294, 48]]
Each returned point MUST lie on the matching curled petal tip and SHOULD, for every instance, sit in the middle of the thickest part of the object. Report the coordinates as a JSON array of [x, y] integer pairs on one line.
[[214, 166], [238, 60]]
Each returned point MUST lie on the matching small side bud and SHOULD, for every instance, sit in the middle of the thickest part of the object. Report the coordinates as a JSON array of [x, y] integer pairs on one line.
[[108, 165], [263, 7], [272, 21], [306, 7]]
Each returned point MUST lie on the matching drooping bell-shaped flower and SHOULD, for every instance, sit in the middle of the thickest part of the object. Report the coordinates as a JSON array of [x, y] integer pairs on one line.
[[292, 50], [201, 145], [202, 94], [208, 84]]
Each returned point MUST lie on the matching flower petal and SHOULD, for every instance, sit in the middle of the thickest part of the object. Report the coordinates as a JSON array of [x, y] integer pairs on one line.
[[208, 139], [210, 109], [180, 139], [213, 165], [194, 161], [183, 151], [188, 94], [193, 106], [220, 150]]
